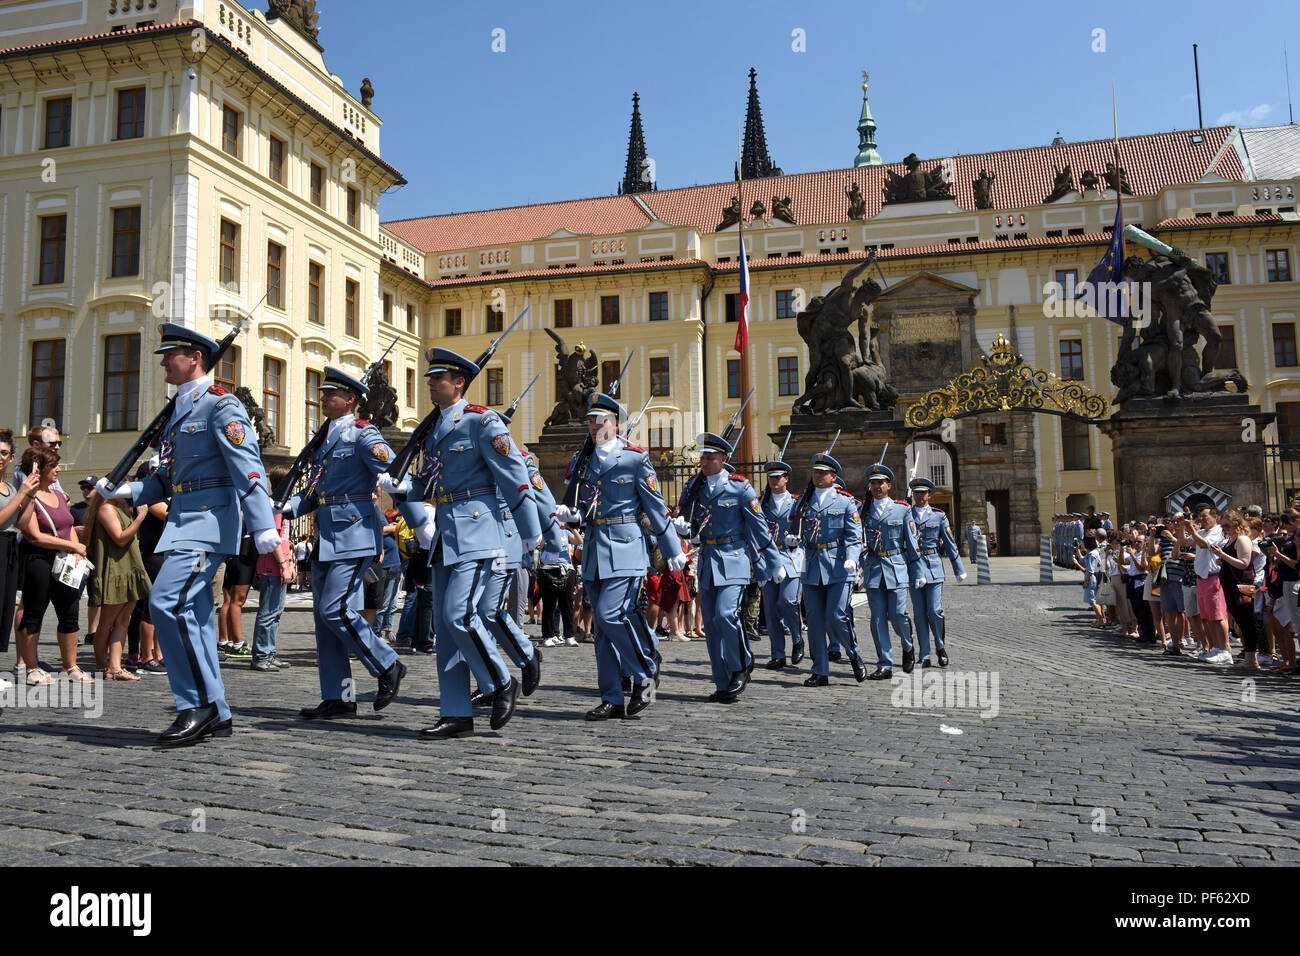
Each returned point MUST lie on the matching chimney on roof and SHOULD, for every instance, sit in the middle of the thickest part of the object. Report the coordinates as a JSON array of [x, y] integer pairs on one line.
[[867, 155], [754, 160], [638, 176], [1060, 140]]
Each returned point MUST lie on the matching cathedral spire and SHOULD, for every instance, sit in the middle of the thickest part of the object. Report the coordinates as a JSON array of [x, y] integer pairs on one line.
[[638, 177], [754, 160], [867, 155]]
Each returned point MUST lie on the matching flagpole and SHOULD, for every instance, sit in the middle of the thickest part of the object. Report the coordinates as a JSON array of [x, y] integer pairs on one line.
[[746, 449]]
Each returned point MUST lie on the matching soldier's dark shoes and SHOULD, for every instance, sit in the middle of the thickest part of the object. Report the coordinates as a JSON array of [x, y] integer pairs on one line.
[[389, 683], [659, 667], [909, 661], [859, 669], [191, 726], [626, 685], [532, 673], [834, 656], [447, 728], [881, 673], [943, 658], [925, 663], [817, 680], [642, 697], [329, 710], [503, 705], [775, 664], [480, 699], [605, 711], [796, 653]]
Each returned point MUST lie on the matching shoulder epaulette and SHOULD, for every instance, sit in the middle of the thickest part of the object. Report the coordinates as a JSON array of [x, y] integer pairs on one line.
[[737, 476], [630, 447], [361, 423], [846, 494], [477, 409], [217, 390], [900, 501]]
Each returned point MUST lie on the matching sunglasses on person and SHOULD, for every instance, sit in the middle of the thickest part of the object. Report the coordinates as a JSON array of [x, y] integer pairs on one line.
[[54, 444]]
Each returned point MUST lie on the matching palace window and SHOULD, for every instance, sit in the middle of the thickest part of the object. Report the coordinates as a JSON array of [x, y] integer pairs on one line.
[[410, 388], [276, 167], [126, 241], [1288, 428], [232, 122], [317, 185], [452, 323], [660, 380], [1072, 360], [733, 378], [732, 307], [1278, 262], [121, 383], [1227, 348], [495, 387], [58, 122], [1284, 353], [354, 206], [313, 403], [1075, 454], [315, 279], [563, 313], [54, 244], [274, 269], [609, 372], [130, 113], [785, 304], [46, 396], [659, 441], [411, 317], [1217, 263], [658, 306], [495, 319], [226, 374], [229, 265], [388, 307], [609, 310], [272, 379], [351, 291], [787, 374], [1066, 280]]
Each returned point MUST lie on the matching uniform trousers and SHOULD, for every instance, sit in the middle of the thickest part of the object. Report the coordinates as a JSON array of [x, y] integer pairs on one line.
[[728, 649], [781, 611], [927, 608], [185, 624], [624, 643], [888, 606], [340, 628], [464, 642], [498, 615], [827, 622]]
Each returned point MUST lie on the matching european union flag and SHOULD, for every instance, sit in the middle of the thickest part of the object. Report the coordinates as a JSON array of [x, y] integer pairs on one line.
[[1105, 283]]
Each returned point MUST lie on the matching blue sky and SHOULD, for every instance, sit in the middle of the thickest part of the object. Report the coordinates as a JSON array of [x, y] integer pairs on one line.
[[547, 119]]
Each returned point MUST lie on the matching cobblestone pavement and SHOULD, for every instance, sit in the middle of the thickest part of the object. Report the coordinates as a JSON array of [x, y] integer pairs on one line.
[[1100, 752]]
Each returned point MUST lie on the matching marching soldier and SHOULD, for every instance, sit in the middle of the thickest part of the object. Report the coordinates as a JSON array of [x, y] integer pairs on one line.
[[210, 468], [831, 535], [618, 485], [934, 540], [891, 567], [729, 521], [349, 534], [469, 457], [781, 599]]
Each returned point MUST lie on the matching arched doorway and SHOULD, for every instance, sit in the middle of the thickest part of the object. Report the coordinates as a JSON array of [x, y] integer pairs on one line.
[[930, 457]]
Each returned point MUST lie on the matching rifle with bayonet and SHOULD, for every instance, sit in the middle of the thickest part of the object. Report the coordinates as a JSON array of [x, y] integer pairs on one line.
[[686, 506], [401, 462], [805, 500], [509, 413], [636, 419], [284, 490], [579, 469]]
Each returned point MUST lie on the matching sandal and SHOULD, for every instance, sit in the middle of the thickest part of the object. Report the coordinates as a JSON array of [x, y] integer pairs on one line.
[[120, 674], [37, 677], [75, 673]]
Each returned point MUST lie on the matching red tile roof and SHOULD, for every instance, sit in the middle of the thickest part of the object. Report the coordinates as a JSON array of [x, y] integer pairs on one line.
[[1024, 178], [1217, 221], [561, 273], [938, 249], [101, 36], [603, 216]]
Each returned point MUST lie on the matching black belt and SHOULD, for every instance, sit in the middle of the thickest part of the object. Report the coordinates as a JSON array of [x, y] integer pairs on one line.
[[619, 519], [467, 494], [203, 484], [344, 499], [725, 539], [929, 551], [888, 554]]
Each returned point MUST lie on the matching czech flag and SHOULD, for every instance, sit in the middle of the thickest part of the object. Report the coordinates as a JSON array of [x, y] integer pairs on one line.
[[742, 305]]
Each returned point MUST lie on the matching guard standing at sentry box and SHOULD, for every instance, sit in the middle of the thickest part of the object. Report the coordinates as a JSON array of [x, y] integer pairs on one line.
[[348, 534], [616, 487], [469, 457], [730, 525], [934, 539], [210, 467]]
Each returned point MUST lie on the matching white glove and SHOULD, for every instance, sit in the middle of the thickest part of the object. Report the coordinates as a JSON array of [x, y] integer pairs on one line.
[[696, 540], [107, 492], [781, 574], [565, 515], [851, 566], [962, 576], [424, 534], [266, 540], [791, 541], [683, 528], [677, 562], [920, 582], [531, 544], [386, 483]]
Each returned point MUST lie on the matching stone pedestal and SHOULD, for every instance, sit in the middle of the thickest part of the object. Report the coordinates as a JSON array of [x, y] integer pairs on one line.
[[1158, 447], [553, 449], [862, 437]]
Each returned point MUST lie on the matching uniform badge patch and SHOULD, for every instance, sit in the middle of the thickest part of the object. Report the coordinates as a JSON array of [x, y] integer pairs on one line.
[[501, 443], [754, 506], [538, 483], [380, 452], [854, 513], [253, 476], [235, 432], [652, 482]]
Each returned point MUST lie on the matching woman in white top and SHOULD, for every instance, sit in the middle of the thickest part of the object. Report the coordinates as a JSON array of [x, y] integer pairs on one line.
[[15, 507]]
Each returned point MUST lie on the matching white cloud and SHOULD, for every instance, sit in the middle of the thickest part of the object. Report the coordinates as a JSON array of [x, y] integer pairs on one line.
[[1250, 117]]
